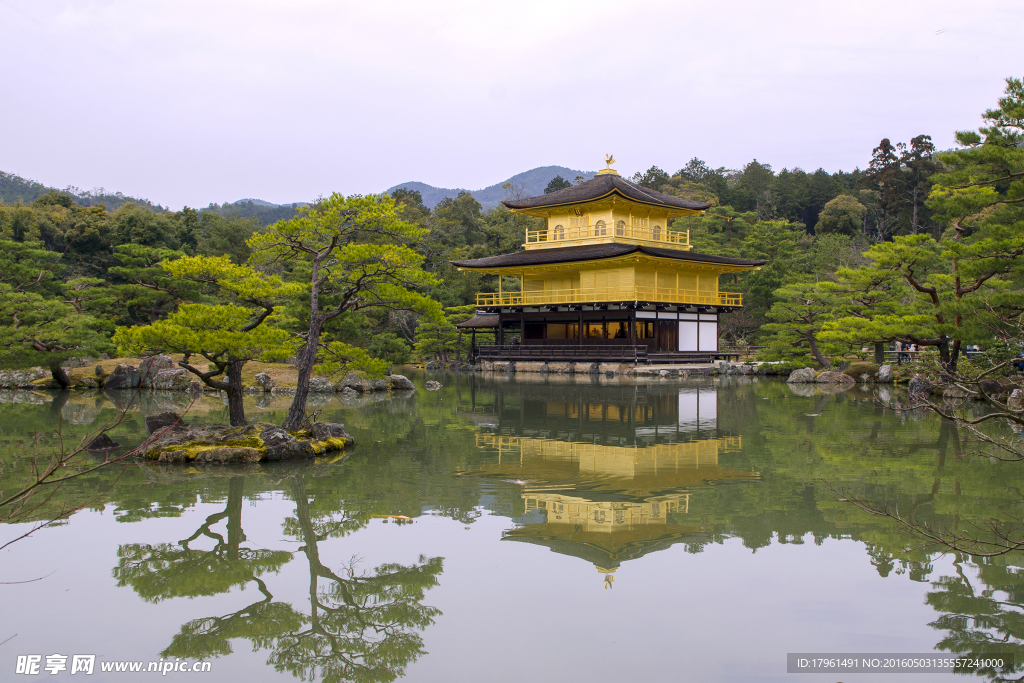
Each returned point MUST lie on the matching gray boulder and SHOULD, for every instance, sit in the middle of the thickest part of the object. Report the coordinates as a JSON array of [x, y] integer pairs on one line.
[[330, 430], [885, 374], [801, 376], [995, 388], [176, 379], [265, 381], [433, 386], [161, 421], [77, 362], [834, 377], [124, 376], [319, 385], [366, 386], [151, 367], [280, 445], [919, 386], [401, 383], [361, 384], [103, 442], [348, 392], [15, 379]]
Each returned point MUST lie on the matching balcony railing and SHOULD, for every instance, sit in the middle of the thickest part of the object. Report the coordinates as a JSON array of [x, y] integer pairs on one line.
[[610, 294], [657, 235]]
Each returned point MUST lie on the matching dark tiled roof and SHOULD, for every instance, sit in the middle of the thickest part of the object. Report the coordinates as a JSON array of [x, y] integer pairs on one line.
[[602, 185], [536, 257], [480, 320]]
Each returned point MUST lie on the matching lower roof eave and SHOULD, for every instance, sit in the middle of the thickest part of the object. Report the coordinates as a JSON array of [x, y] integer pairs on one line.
[[629, 306]]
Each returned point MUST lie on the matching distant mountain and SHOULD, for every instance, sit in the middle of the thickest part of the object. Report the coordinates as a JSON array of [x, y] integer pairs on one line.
[[264, 212], [257, 202], [529, 184], [15, 189]]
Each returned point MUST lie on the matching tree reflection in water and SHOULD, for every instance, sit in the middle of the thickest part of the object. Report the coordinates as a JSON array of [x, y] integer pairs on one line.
[[985, 619], [359, 626]]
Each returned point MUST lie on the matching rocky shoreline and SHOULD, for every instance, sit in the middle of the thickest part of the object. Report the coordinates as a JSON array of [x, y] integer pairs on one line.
[[161, 373]]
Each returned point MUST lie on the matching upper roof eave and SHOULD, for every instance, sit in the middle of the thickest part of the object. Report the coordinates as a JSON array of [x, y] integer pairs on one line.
[[600, 187], [539, 210]]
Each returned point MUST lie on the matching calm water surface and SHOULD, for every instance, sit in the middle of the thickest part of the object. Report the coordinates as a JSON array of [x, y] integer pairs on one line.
[[515, 529]]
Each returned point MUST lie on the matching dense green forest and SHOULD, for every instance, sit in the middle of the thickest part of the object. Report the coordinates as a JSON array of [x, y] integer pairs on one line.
[[918, 246]]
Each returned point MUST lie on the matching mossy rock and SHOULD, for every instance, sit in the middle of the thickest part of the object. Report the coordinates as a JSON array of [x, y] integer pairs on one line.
[[260, 442]]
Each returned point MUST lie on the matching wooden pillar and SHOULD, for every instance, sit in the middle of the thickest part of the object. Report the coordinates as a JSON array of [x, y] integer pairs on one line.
[[500, 336], [580, 334], [631, 321], [472, 345], [879, 353], [522, 329]]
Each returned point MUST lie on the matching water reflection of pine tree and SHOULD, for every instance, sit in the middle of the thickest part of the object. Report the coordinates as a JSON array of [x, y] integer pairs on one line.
[[358, 627], [982, 620]]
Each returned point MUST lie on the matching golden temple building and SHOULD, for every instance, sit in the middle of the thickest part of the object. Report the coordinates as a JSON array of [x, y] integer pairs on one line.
[[606, 278]]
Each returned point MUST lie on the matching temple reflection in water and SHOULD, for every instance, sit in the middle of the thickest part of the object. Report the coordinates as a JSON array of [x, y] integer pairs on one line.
[[607, 470]]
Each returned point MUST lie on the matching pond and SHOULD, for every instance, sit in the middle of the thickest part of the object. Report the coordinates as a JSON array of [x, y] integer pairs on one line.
[[503, 529]]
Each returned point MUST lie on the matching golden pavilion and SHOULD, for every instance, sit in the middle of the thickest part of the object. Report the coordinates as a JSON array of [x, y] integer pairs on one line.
[[606, 278]]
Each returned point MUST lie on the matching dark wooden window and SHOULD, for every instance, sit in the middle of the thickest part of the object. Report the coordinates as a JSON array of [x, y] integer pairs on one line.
[[535, 330], [644, 329]]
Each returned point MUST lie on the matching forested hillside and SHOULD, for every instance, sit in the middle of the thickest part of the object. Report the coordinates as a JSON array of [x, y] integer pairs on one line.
[[262, 212], [14, 189]]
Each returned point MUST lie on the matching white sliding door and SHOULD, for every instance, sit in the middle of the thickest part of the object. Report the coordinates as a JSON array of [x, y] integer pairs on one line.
[[708, 336], [688, 335]]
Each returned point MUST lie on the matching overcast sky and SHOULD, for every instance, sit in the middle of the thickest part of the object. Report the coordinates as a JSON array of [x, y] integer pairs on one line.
[[188, 102]]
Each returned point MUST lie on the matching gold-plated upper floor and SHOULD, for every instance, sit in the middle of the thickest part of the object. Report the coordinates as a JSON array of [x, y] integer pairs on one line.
[[609, 295], [601, 232]]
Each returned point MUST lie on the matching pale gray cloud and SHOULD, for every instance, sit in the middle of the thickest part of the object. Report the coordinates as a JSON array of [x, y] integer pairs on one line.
[[191, 101]]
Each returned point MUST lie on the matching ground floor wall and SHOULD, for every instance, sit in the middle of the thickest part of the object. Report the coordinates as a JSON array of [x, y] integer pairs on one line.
[[659, 331]]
